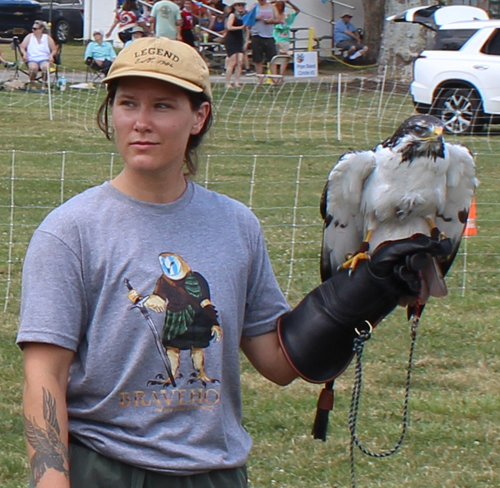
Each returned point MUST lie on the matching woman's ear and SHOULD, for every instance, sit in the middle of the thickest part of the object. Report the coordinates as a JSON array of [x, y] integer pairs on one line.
[[201, 116]]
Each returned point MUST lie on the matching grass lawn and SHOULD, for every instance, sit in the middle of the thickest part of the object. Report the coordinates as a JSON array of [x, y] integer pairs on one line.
[[273, 150]]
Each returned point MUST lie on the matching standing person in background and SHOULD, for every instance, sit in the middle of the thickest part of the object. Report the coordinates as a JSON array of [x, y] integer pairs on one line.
[[126, 18], [188, 21], [347, 37], [166, 20], [39, 50], [263, 45], [281, 32], [235, 41]]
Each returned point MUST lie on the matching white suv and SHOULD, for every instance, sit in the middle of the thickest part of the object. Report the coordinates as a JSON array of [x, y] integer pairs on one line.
[[458, 80]]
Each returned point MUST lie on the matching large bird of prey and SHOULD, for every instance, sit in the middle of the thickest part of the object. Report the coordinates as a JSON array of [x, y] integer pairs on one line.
[[413, 182]]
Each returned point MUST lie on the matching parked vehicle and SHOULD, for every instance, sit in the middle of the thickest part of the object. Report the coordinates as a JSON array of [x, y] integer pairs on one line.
[[457, 79], [66, 18], [17, 17]]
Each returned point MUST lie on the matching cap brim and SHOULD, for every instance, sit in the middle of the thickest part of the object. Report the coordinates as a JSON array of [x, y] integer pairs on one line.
[[157, 76]]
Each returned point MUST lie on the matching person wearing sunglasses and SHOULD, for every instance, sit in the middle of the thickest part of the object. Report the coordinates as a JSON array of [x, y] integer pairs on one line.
[[39, 50]]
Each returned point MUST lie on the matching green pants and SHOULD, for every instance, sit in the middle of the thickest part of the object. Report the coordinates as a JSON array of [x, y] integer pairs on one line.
[[90, 469]]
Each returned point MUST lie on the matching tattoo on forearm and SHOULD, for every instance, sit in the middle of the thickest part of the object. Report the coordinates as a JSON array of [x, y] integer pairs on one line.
[[50, 451]]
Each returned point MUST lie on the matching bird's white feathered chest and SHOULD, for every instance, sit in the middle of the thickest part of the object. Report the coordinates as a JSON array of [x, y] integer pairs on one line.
[[401, 190]]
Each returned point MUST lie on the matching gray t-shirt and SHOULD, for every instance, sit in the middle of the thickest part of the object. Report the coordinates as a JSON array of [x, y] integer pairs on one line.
[[260, 28], [74, 295], [166, 14]]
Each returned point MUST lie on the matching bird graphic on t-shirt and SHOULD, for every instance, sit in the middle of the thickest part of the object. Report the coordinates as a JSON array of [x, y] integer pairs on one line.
[[191, 321]]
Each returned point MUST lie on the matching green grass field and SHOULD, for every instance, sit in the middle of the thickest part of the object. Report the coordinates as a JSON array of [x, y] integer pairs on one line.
[[273, 150]]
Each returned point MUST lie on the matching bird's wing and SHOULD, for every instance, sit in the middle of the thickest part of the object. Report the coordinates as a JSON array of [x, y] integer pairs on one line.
[[35, 435], [340, 209], [461, 184]]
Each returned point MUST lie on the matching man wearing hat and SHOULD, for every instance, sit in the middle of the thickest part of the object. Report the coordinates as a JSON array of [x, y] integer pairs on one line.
[[99, 54], [347, 37]]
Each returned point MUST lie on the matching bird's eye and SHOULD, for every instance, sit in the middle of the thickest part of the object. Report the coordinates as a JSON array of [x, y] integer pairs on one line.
[[420, 131]]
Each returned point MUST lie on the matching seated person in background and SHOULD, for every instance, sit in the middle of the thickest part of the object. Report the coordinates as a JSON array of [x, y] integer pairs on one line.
[[137, 33], [204, 17], [218, 25], [347, 37], [39, 50], [99, 55]]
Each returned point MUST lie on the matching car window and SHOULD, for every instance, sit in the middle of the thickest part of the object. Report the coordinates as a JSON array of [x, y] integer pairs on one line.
[[492, 45], [452, 39]]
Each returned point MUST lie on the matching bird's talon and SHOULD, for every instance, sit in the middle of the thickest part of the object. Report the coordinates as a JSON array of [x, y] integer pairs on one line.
[[352, 263]]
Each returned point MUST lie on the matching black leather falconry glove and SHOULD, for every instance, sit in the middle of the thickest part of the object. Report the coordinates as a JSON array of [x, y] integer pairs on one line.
[[318, 335]]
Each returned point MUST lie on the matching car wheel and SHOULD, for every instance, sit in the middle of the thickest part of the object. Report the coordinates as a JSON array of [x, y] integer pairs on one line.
[[61, 31], [460, 110]]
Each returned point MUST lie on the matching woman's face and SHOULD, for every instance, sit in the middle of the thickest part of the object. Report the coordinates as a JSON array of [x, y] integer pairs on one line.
[[153, 121]]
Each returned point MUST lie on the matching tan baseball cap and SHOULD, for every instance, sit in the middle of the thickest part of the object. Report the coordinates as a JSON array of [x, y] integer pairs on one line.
[[163, 59]]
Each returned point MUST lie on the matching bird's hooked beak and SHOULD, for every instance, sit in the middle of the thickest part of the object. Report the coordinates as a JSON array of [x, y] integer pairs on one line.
[[436, 134]]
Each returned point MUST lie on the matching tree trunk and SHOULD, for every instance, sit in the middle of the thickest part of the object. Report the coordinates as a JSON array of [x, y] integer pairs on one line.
[[402, 42], [374, 26]]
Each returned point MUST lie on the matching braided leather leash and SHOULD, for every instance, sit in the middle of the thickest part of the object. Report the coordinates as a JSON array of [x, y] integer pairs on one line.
[[359, 343]]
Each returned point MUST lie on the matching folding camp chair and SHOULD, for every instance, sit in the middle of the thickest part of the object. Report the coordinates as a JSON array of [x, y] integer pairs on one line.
[[21, 67], [95, 73]]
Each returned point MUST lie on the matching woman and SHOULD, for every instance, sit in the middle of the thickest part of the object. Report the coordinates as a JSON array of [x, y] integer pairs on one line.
[[120, 231], [126, 18], [281, 32], [150, 251], [235, 41], [38, 50]]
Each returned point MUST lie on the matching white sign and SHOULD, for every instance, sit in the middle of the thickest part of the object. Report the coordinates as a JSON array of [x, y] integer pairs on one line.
[[305, 64]]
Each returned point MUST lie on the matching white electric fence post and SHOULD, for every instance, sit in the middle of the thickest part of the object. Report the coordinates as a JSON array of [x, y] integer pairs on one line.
[[464, 266], [207, 165], [339, 94], [111, 166], [11, 230], [50, 92], [63, 172], [382, 89], [252, 182], [294, 226]]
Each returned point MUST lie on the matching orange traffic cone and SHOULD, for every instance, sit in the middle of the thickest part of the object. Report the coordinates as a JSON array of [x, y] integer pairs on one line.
[[470, 226]]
